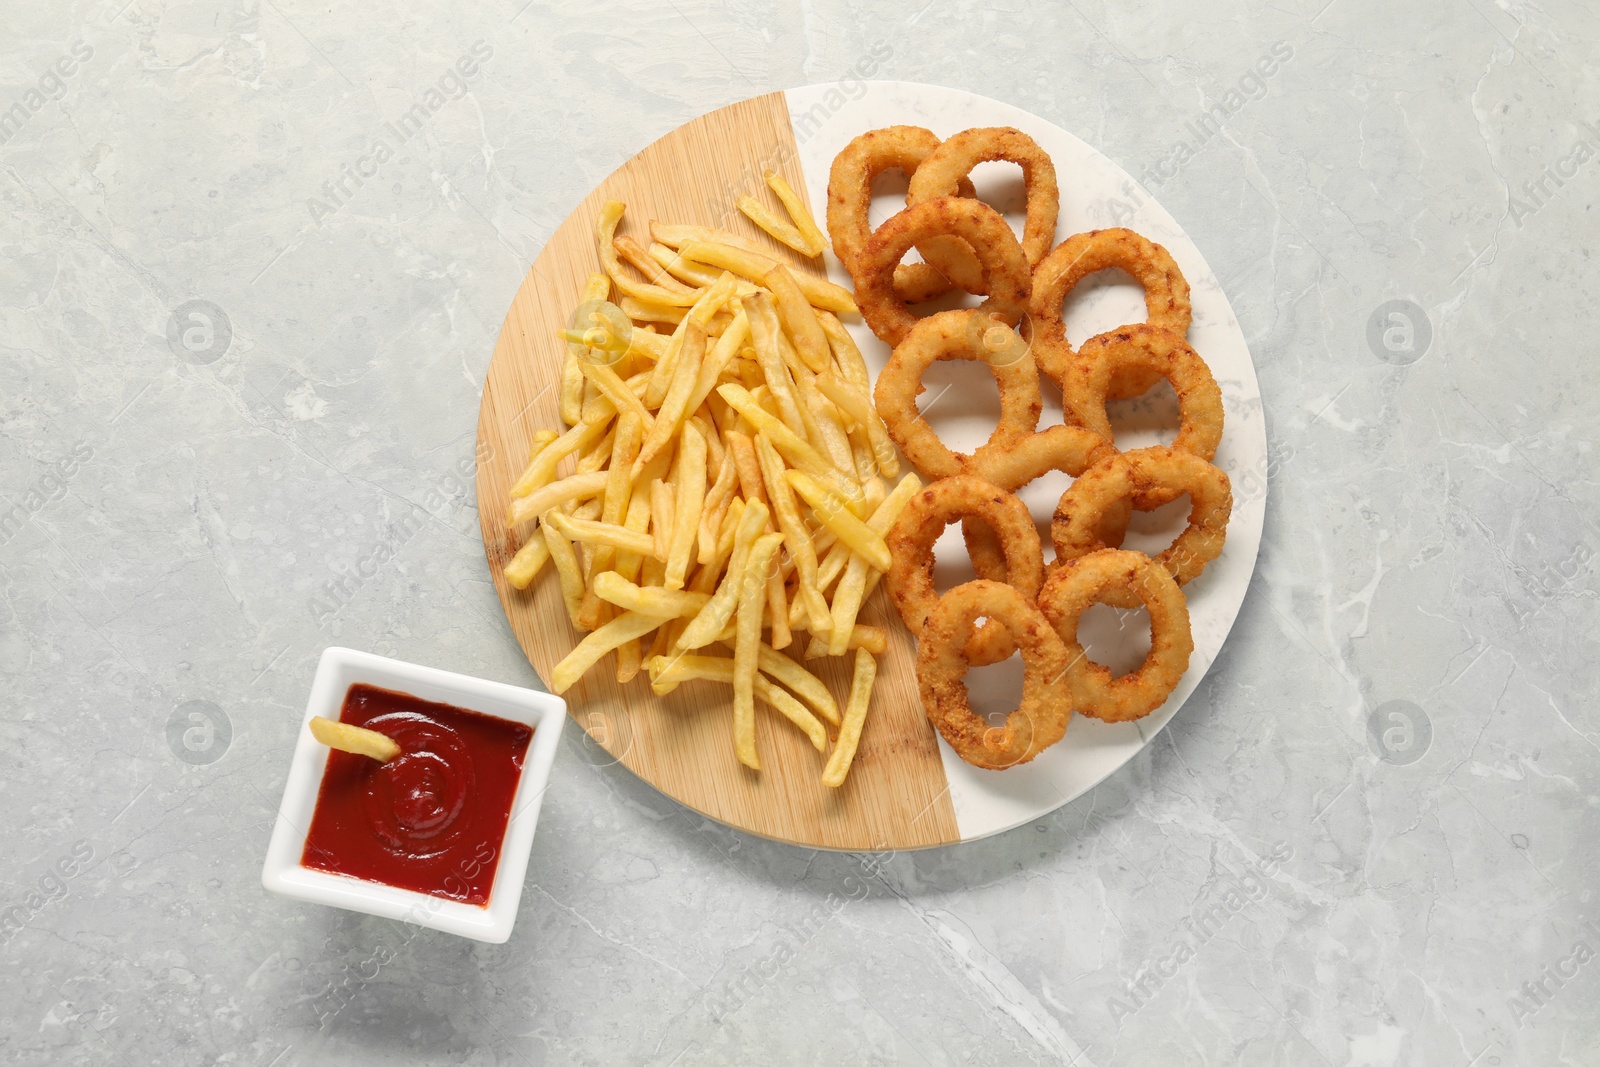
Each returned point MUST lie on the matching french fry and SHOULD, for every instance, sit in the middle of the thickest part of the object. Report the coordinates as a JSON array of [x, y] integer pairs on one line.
[[765, 332], [660, 376], [704, 627], [834, 512], [805, 685], [533, 476], [663, 603], [577, 487], [605, 534], [566, 564], [675, 405], [595, 458], [572, 379], [598, 287], [777, 594], [847, 601], [613, 511], [692, 273], [795, 312], [540, 440], [710, 573], [677, 236], [641, 311], [716, 504], [647, 345], [796, 207], [859, 407], [667, 671], [633, 253], [714, 298], [615, 390], [624, 627], [541, 470], [722, 353], [780, 230], [690, 478], [852, 365], [661, 505], [629, 658], [530, 559], [874, 639], [628, 567], [855, 714], [755, 265], [704, 580], [752, 599], [796, 538], [356, 740], [826, 425], [605, 235], [853, 587], [743, 451], [788, 443]]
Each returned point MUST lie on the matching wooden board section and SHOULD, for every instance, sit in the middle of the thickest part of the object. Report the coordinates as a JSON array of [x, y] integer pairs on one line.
[[896, 796]]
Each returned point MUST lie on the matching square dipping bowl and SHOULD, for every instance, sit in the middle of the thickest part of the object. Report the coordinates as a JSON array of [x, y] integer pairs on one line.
[[337, 671]]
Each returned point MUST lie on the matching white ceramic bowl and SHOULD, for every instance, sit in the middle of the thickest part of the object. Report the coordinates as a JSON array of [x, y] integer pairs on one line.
[[337, 671]]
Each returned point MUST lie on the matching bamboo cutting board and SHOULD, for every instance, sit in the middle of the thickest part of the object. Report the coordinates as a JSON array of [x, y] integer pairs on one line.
[[682, 744], [907, 789]]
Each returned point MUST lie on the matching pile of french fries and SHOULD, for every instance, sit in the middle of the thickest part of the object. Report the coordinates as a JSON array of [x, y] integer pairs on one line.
[[732, 482]]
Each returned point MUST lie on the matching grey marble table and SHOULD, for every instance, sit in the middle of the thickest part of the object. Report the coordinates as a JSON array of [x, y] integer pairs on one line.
[[241, 365]]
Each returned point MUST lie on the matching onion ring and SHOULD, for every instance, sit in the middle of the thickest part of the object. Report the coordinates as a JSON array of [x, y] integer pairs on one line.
[[1142, 348], [919, 526], [1039, 720], [1077, 584], [956, 335], [850, 196], [1006, 277], [1166, 296], [953, 160], [1070, 449], [1075, 528]]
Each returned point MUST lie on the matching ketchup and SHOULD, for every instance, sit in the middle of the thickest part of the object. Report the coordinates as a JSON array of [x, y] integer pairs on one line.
[[433, 818]]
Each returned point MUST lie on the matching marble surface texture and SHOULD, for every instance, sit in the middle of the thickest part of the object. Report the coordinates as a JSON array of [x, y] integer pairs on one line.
[[236, 427]]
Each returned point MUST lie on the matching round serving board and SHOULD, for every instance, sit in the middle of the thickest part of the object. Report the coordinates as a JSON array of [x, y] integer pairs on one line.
[[907, 788]]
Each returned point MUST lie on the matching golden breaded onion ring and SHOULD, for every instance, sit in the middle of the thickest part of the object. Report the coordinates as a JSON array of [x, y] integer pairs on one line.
[[1148, 472], [953, 160], [1077, 584], [1040, 718], [1150, 349], [1070, 449], [919, 526], [1006, 278], [900, 148], [951, 335], [1166, 296]]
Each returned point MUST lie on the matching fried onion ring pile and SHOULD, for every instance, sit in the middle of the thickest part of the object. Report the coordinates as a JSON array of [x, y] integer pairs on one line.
[[1016, 603]]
